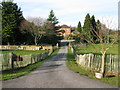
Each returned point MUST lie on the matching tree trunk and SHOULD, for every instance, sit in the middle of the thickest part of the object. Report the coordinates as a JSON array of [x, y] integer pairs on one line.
[[8, 43], [35, 41], [103, 64]]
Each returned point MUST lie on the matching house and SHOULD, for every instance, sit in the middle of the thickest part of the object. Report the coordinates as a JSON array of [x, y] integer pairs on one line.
[[67, 30]]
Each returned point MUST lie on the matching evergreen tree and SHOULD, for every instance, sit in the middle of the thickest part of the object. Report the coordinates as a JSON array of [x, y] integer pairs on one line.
[[52, 18], [93, 22], [94, 31], [87, 26], [98, 25], [11, 19], [99, 29], [79, 28]]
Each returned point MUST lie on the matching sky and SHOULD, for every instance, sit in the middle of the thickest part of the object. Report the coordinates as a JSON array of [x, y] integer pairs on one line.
[[70, 12]]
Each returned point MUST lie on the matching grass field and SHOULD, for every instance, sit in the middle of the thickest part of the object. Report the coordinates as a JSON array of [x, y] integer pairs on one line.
[[23, 52], [15, 73], [96, 48], [71, 64]]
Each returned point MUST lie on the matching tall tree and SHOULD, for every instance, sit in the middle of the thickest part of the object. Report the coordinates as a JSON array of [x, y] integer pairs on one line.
[[11, 18], [24, 29], [87, 26], [79, 28], [98, 24], [52, 18], [94, 30]]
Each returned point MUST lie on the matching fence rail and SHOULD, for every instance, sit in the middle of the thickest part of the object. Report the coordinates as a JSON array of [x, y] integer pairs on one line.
[[93, 61], [10, 61]]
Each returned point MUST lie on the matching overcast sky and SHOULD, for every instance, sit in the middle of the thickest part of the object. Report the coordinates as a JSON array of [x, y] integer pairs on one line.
[[70, 12]]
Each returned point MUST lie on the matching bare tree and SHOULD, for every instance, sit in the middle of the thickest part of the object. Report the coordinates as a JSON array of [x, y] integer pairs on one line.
[[103, 37], [37, 27]]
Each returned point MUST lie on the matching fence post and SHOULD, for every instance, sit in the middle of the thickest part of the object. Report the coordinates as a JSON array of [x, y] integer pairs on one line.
[[11, 61], [2, 61], [110, 63], [31, 58], [57, 45], [89, 59]]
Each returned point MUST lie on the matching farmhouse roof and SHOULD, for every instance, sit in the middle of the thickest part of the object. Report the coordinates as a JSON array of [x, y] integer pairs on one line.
[[65, 26], [75, 31]]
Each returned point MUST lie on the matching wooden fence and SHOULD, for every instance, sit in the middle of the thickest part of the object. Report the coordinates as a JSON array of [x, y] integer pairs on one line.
[[10, 61], [27, 47], [93, 61]]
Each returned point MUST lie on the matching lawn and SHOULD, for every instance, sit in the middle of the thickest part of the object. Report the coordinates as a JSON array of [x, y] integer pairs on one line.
[[23, 52], [96, 48], [82, 71]]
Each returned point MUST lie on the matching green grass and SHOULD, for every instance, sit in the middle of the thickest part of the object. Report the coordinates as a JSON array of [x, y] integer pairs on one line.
[[72, 65], [96, 48], [15, 73], [24, 52]]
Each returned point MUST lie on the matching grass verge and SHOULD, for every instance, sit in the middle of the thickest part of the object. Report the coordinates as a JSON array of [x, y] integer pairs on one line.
[[24, 52], [71, 64], [15, 73]]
